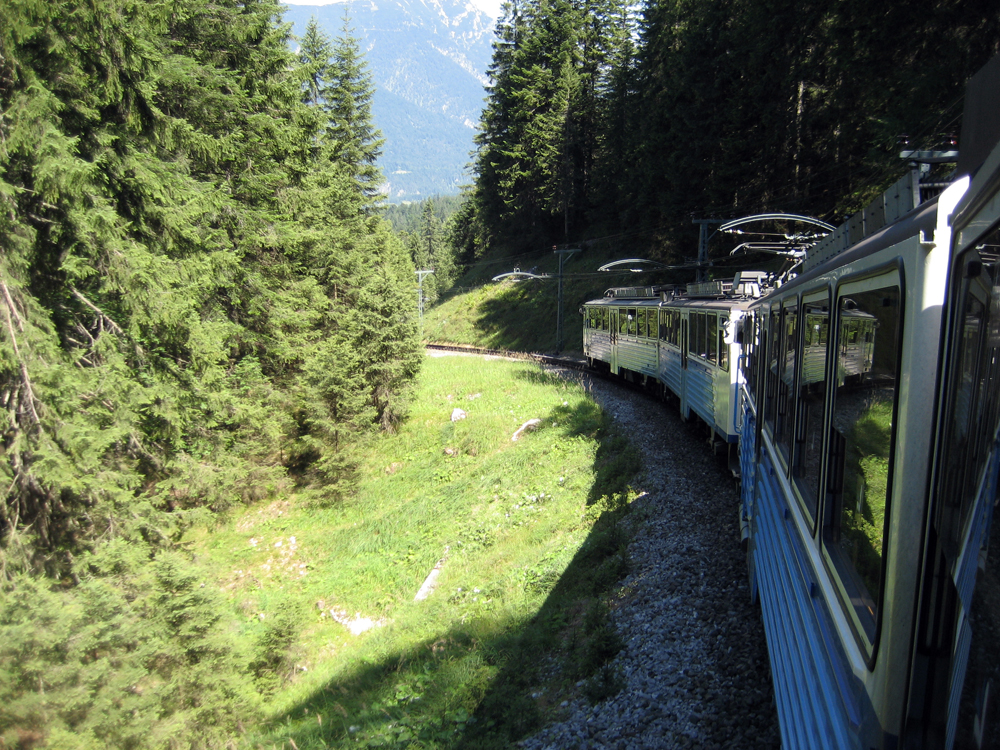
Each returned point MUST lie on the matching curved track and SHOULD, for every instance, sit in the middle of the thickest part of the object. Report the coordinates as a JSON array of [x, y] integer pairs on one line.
[[694, 666], [557, 360]]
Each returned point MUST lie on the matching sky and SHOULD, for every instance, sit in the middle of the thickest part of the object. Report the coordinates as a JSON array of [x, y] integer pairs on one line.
[[490, 7]]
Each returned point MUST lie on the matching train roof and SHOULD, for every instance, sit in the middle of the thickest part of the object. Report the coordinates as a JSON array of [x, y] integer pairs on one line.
[[923, 218], [729, 303], [720, 293]]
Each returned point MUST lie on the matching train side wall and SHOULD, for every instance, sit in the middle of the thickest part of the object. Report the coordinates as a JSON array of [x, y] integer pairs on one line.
[[700, 386], [670, 369], [638, 355], [820, 702], [597, 345]]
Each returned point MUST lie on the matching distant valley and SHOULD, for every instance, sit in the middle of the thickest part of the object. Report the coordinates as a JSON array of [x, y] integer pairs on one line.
[[428, 60]]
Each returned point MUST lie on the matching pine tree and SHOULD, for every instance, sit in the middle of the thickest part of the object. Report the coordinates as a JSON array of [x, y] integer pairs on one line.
[[314, 59], [193, 288], [355, 141], [541, 131], [364, 352], [617, 124]]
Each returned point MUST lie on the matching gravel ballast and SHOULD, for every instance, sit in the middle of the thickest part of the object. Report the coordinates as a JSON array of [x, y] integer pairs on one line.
[[694, 664]]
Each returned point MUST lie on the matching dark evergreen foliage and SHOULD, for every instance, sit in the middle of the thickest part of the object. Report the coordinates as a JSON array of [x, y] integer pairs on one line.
[[594, 127], [196, 299]]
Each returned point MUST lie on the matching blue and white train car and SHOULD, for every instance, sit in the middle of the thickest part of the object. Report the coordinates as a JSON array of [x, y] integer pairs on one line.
[[621, 331], [683, 344], [869, 412]]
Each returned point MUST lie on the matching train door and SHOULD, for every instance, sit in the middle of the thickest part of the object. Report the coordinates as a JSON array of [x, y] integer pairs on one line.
[[613, 335], [685, 407]]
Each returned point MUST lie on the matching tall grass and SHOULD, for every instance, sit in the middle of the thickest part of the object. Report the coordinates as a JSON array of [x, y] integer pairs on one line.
[[527, 541]]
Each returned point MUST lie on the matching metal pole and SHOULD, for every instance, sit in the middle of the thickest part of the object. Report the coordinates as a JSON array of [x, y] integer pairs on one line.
[[559, 303], [703, 238], [420, 296]]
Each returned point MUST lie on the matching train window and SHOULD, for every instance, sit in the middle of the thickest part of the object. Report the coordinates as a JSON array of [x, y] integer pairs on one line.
[[640, 319], [662, 331], [771, 384], [786, 379], [963, 517], [712, 337], [861, 444], [812, 396], [675, 328], [751, 349], [622, 321], [652, 327], [631, 321], [723, 346], [972, 411]]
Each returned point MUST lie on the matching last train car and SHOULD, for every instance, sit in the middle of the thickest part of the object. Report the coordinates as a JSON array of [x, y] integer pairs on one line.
[[681, 343], [869, 408]]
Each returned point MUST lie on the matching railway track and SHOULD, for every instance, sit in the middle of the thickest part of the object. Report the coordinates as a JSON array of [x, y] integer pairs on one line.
[[693, 668], [560, 360]]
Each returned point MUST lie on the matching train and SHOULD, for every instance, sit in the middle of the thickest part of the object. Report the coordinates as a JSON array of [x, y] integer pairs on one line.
[[858, 399]]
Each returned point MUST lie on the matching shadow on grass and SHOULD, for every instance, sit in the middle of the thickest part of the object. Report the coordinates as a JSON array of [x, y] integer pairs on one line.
[[523, 317], [484, 683]]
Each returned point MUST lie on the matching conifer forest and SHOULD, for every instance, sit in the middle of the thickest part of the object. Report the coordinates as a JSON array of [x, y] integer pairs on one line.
[[610, 120], [201, 300]]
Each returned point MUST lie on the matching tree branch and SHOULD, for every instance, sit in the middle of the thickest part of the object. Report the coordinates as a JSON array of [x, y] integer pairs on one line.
[[8, 310], [104, 319], [13, 307]]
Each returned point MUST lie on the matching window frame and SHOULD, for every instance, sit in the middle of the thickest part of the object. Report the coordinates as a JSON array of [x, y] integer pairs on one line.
[[783, 431], [889, 276], [812, 512]]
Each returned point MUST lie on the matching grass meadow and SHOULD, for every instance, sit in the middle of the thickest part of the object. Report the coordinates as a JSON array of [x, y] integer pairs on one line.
[[527, 542]]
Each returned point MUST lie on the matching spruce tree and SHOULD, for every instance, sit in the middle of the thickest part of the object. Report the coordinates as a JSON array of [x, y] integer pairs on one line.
[[314, 59], [194, 297], [354, 140]]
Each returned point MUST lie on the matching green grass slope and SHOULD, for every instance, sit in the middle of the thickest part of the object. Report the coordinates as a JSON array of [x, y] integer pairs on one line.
[[521, 316], [525, 539]]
